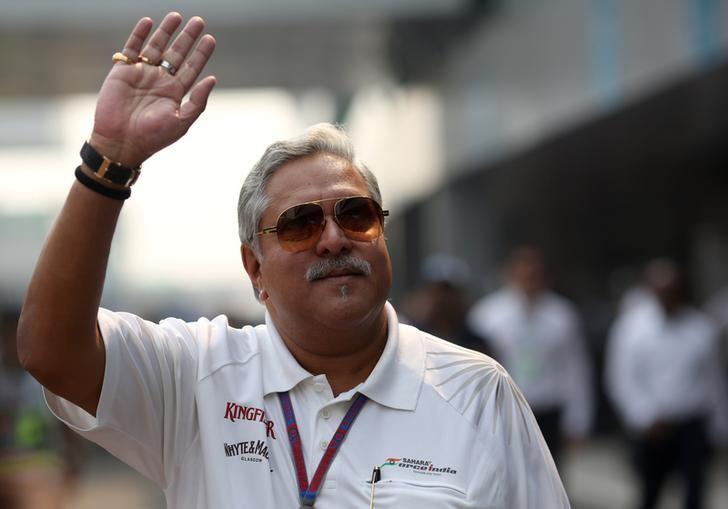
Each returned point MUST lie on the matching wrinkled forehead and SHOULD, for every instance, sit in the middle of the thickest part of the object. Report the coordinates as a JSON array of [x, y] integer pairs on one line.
[[526, 258], [318, 177]]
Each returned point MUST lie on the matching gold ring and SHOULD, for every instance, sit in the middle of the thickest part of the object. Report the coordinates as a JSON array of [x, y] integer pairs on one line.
[[120, 57], [146, 60]]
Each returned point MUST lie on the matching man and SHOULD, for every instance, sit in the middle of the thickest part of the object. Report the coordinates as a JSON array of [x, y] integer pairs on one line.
[[331, 402], [537, 336], [439, 304], [664, 375]]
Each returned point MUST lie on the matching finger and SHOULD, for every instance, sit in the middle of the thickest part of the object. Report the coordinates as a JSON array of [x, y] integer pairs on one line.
[[137, 37], [193, 66], [160, 38], [183, 43], [197, 101]]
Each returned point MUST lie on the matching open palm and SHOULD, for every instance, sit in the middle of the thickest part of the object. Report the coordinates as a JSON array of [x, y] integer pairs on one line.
[[140, 107]]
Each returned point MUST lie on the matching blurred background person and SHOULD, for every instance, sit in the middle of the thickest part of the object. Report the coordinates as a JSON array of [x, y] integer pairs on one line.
[[536, 335], [664, 376], [439, 304], [36, 466], [717, 307]]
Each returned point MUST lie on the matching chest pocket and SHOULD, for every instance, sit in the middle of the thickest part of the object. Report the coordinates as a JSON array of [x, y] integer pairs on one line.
[[391, 493]]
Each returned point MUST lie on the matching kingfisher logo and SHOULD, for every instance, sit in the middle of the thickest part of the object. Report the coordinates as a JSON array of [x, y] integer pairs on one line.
[[235, 412], [418, 466]]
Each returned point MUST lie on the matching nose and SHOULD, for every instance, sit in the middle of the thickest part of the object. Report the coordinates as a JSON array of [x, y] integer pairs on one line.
[[333, 240]]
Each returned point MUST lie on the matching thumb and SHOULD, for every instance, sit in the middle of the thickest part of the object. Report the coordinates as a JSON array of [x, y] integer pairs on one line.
[[195, 105]]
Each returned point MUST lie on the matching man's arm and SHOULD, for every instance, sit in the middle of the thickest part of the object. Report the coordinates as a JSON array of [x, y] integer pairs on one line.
[[577, 377], [140, 110]]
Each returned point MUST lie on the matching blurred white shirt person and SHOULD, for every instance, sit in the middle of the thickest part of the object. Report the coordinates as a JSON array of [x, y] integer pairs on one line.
[[664, 376], [717, 307], [537, 336]]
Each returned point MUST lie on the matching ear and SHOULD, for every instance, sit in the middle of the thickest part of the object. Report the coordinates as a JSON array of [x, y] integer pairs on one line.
[[251, 265]]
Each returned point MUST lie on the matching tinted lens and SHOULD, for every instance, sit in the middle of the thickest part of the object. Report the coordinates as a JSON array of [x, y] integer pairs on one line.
[[300, 227], [360, 218]]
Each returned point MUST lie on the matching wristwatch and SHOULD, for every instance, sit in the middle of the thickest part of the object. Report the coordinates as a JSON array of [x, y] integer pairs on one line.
[[108, 170]]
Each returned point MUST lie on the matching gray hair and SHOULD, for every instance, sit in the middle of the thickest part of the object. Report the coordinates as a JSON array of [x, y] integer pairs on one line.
[[321, 138]]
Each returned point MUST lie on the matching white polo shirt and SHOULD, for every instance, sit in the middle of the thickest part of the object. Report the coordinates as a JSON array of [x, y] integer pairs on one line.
[[194, 407], [666, 367], [541, 345]]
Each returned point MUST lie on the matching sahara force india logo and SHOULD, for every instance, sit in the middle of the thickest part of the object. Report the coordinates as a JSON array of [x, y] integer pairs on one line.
[[418, 466]]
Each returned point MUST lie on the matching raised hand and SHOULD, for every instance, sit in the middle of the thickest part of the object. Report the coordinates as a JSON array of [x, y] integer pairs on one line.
[[139, 109]]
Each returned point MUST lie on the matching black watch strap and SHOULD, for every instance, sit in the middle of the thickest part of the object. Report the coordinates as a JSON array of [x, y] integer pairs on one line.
[[108, 170]]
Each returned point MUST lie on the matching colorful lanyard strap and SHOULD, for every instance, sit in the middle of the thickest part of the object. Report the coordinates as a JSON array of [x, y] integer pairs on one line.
[[308, 492]]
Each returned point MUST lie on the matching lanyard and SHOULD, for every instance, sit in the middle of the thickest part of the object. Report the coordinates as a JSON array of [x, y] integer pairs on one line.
[[308, 492]]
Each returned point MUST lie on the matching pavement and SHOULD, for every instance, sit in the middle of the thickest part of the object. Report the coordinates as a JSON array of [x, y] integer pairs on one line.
[[599, 476]]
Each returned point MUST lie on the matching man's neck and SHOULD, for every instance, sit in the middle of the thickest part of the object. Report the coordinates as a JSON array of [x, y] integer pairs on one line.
[[345, 357]]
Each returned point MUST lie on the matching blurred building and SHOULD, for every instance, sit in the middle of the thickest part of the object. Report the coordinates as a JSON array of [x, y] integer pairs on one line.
[[595, 128]]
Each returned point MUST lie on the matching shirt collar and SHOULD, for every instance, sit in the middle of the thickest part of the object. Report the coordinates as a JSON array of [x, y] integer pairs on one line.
[[281, 371], [397, 378], [395, 381]]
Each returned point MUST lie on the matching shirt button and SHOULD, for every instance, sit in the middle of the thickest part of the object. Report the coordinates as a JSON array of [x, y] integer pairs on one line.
[[325, 414], [318, 387], [324, 444]]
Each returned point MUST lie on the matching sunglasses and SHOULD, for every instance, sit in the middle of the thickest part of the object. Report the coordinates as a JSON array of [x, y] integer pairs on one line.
[[300, 227]]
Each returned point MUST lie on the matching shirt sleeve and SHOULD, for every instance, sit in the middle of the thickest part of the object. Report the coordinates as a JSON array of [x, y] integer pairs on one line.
[[718, 398], [531, 480], [577, 384], [146, 412], [622, 378]]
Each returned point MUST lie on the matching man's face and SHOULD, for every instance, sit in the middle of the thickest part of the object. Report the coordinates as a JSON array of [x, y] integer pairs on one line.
[[342, 300], [526, 270], [665, 280]]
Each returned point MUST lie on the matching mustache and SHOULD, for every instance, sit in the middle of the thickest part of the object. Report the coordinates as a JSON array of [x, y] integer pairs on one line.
[[347, 262]]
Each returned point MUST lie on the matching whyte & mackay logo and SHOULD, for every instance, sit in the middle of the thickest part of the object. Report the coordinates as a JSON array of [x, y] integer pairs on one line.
[[418, 466], [249, 450], [235, 412]]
